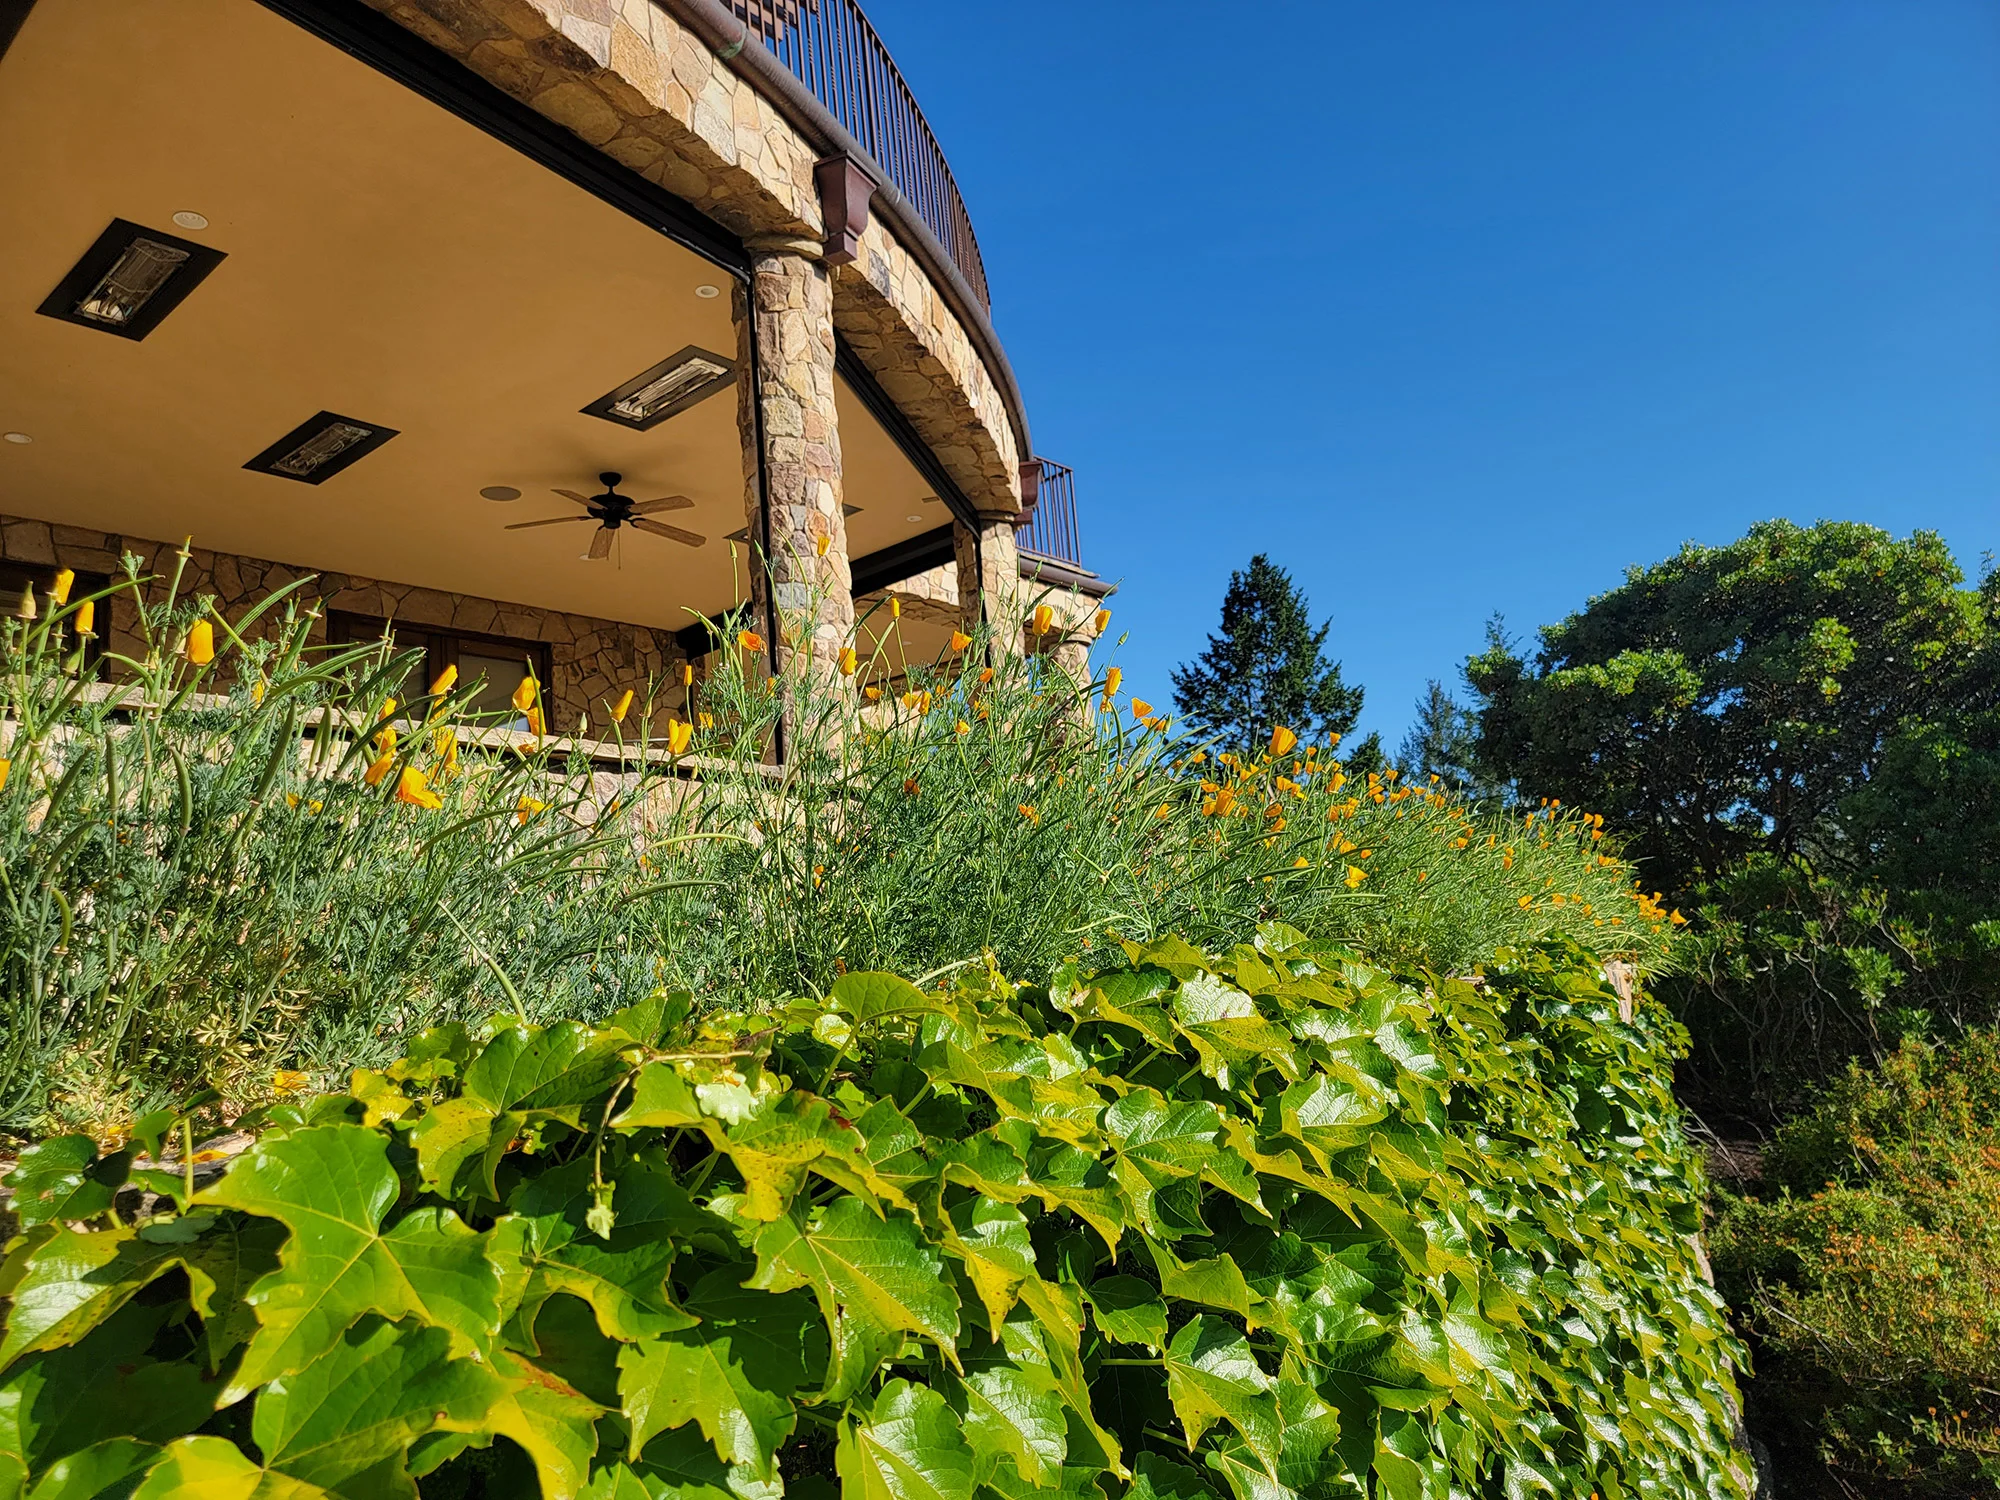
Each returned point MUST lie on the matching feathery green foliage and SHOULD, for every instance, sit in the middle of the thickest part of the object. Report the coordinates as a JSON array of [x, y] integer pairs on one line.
[[1271, 1225]]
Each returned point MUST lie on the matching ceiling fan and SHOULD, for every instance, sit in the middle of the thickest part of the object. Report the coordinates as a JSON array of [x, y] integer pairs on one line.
[[612, 510]]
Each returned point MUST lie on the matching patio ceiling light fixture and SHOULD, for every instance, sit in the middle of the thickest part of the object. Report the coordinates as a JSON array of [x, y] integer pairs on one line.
[[130, 279], [666, 390], [315, 451]]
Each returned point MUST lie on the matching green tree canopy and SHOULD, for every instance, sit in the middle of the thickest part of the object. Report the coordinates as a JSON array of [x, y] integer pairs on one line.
[[1443, 742], [1733, 699], [1267, 667]]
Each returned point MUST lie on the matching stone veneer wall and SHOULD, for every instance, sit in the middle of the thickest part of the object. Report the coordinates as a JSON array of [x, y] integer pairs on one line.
[[933, 596], [592, 659], [630, 80]]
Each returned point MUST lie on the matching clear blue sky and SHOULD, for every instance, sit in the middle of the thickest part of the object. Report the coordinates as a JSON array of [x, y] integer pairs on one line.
[[1456, 306]]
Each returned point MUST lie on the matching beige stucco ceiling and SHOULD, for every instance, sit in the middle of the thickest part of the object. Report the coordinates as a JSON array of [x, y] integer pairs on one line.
[[386, 261]]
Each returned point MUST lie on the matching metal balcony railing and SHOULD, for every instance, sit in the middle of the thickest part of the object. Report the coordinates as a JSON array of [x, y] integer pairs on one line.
[[1051, 528], [832, 49]]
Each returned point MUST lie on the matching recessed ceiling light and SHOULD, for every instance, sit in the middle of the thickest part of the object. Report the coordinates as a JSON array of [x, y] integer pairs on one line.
[[500, 492], [16, 437], [130, 279], [316, 450], [913, 518], [187, 218], [705, 291], [669, 388]]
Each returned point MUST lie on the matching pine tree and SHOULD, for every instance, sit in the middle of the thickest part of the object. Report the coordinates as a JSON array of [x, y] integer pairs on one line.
[[1267, 667], [1441, 742]]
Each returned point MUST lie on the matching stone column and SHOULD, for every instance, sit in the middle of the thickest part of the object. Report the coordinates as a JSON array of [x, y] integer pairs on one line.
[[989, 579], [789, 314]]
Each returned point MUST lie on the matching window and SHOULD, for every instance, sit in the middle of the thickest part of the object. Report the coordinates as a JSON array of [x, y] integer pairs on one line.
[[496, 663], [16, 576]]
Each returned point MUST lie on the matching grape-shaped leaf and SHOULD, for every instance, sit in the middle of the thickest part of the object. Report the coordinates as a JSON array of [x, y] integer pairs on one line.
[[65, 1400], [991, 1241], [735, 1372], [64, 1178], [1157, 1478], [359, 1406], [330, 1186], [554, 1070], [1129, 1310], [1155, 1143], [459, 1145], [69, 1282], [660, 1098], [553, 1423], [875, 1279], [875, 997], [1213, 1377], [1013, 1417], [908, 1448], [216, 1469], [547, 1246], [101, 1471]]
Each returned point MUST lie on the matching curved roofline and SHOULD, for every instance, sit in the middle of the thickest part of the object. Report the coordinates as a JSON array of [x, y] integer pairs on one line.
[[740, 47]]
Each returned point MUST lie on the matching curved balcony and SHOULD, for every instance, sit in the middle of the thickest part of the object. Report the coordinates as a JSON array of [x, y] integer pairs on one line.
[[831, 47]]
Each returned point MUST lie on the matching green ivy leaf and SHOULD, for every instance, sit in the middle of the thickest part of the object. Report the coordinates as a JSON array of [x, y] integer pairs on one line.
[[877, 997], [547, 1246], [1213, 1377], [216, 1469], [908, 1448], [100, 1472], [1013, 1416], [330, 1185], [1128, 1310], [63, 1178], [991, 1241], [735, 1372], [1157, 1478], [65, 1400], [875, 1279], [356, 1408]]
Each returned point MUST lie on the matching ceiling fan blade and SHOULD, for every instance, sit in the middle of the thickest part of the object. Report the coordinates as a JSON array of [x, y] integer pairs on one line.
[[671, 502], [672, 533], [552, 521], [600, 544], [572, 495]]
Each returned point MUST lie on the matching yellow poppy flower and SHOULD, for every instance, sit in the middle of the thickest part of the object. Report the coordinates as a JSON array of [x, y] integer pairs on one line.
[[1141, 709], [706, 721], [848, 661], [525, 695], [1112, 677], [1162, 811], [961, 727], [749, 640], [86, 617], [411, 787], [1282, 740], [679, 736], [895, 608], [526, 808], [535, 722], [1355, 875], [444, 681], [985, 676], [6, 769], [622, 707], [1301, 863], [385, 740], [872, 694], [290, 1081], [687, 674], [1034, 818], [259, 688], [1103, 620], [959, 641], [200, 643], [822, 544], [59, 590], [1044, 618]]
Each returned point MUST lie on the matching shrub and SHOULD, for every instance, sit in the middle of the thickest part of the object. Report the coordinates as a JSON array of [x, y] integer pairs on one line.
[[1271, 1225], [215, 876], [1868, 1270]]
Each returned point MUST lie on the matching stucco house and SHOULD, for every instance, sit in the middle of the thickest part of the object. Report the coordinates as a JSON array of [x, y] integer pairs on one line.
[[533, 326]]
